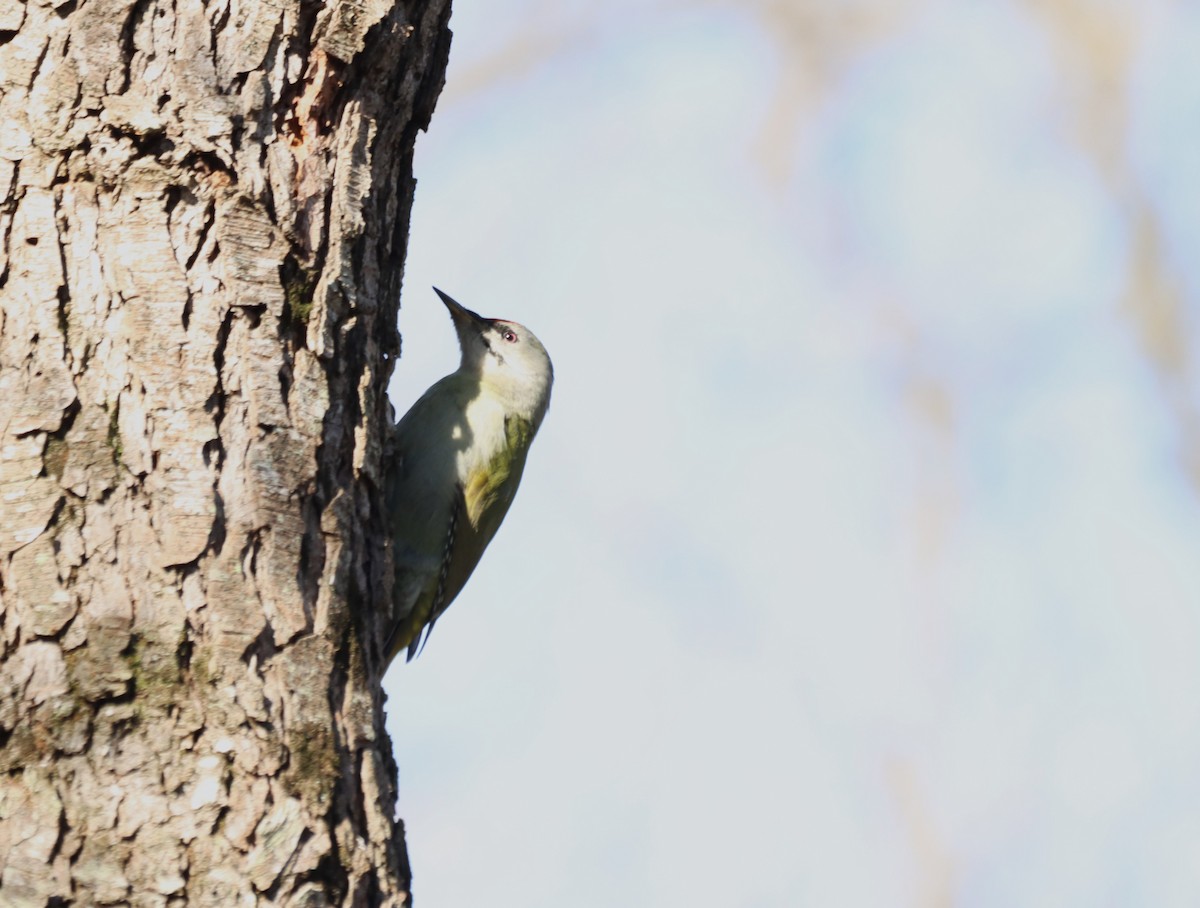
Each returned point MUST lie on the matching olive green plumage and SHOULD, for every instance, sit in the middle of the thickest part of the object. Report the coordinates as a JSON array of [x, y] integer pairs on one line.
[[460, 452]]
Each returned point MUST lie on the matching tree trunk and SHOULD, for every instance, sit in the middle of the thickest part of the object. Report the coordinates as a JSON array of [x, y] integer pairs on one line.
[[204, 210]]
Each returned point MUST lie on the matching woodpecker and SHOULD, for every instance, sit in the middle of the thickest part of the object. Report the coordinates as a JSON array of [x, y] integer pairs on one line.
[[460, 453]]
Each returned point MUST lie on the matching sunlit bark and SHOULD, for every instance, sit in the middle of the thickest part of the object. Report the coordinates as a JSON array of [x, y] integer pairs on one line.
[[203, 214]]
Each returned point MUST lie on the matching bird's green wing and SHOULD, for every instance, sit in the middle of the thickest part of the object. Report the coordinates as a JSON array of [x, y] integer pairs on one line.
[[479, 509]]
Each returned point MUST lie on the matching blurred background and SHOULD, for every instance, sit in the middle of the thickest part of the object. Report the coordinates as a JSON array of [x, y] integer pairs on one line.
[[857, 562]]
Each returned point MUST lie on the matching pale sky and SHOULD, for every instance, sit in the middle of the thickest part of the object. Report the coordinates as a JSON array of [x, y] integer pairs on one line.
[[856, 561]]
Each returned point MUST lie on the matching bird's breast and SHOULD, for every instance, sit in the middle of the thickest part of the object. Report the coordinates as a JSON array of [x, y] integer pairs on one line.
[[480, 437]]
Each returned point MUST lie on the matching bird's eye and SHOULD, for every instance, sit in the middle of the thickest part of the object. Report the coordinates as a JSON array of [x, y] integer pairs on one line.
[[510, 335]]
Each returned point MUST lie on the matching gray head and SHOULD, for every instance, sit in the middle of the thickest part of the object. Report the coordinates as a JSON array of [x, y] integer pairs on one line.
[[506, 357]]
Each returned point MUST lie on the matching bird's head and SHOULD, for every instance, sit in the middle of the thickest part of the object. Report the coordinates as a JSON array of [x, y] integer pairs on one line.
[[506, 356]]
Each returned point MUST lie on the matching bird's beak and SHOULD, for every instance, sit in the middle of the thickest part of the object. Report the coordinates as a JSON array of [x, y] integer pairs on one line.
[[464, 319]]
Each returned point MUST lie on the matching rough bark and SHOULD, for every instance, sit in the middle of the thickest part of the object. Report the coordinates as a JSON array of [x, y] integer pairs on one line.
[[203, 217]]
